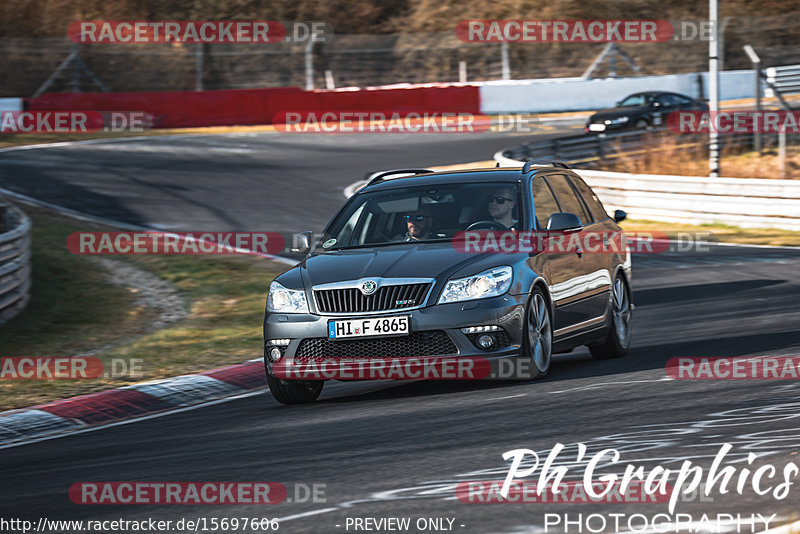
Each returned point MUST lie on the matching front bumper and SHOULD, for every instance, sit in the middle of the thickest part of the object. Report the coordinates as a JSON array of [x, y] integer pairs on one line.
[[506, 312]]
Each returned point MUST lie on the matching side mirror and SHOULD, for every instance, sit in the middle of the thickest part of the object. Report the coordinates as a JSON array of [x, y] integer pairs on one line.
[[564, 222], [620, 215], [302, 242]]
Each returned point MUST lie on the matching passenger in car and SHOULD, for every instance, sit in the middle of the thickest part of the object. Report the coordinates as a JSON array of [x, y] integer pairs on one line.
[[501, 207]]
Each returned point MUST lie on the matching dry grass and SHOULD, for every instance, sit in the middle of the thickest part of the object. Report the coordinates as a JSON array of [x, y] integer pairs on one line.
[[721, 233], [75, 309], [674, 155]]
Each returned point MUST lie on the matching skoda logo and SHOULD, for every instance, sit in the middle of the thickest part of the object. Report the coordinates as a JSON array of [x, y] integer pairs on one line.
[[369, 287]]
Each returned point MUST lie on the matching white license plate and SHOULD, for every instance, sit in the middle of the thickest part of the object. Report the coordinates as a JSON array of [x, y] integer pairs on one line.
[[369, 327], [597, 127]]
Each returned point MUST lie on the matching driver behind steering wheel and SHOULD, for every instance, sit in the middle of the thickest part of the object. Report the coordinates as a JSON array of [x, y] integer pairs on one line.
[[501, 207]]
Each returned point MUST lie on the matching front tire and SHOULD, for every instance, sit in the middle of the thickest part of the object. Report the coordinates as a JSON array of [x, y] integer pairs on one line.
[[294, 391], [618, 339], [538, 345]]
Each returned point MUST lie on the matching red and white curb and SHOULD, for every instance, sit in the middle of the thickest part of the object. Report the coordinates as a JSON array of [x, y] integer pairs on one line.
[[130, 402]]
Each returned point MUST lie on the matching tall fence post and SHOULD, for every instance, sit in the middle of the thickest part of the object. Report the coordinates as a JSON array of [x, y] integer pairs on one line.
[[310, 64], [76, 69], [199, 54], [713, 89], [506, 65], [782, 152], [756, 91], [462, 71]]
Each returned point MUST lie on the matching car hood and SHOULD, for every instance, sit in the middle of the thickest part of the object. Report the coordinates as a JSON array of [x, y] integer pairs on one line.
[[425, 260], [613, 113]]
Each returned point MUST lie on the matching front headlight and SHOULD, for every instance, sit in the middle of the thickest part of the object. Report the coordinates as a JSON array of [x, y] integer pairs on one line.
[[618, 120], [284, 300], [491, 283]]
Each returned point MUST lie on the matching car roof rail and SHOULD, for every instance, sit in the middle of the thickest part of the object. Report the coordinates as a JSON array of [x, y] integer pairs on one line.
[[383, 175], [528, 164]]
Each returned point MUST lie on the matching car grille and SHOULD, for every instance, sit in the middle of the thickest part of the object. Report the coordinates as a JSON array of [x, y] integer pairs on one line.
[[415, 345], [386, 298]]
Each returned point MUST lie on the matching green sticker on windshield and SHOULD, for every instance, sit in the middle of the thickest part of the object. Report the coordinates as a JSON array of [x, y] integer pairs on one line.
[[329, 243]]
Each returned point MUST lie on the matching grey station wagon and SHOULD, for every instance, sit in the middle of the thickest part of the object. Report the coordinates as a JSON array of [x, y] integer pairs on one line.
[[388, 280]]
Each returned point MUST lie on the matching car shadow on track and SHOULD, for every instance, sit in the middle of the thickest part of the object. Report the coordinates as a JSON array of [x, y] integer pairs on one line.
[[580, 365]]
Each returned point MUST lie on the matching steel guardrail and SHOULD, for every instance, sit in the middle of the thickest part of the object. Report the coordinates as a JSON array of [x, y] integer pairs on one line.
[[745, 202], [785, 78], [589, 150], [15, 260]]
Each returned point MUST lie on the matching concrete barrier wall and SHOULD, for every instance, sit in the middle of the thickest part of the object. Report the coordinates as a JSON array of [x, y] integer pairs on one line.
[[261, 106], [749, 203], [10, 104], [571, 94]]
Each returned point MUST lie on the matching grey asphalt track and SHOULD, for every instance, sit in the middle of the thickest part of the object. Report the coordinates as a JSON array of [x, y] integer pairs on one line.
[[398, 450], [246, 181]]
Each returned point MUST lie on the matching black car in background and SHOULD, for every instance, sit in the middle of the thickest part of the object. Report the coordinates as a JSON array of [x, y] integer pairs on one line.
[[642, 110], [389, 256]]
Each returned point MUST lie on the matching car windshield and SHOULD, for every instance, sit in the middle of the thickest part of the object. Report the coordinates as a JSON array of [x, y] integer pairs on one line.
[[423, 214], [634, 101]]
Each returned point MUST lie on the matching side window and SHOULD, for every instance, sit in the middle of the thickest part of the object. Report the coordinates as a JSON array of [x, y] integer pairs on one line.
[[567, 199], [595, 206], [543, 202], [667, 100]]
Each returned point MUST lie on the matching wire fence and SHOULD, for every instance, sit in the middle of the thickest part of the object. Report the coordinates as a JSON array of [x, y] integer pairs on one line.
[[369, 60]]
